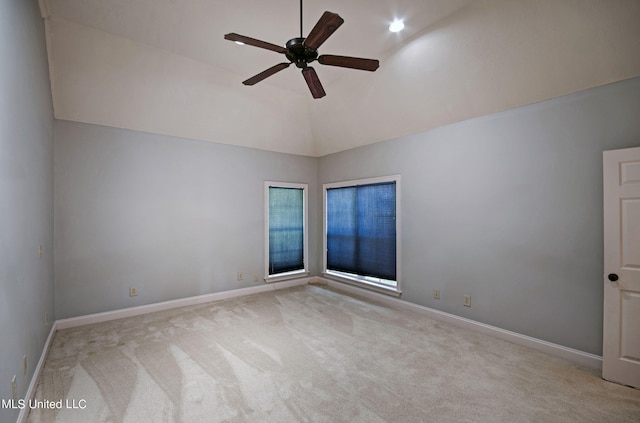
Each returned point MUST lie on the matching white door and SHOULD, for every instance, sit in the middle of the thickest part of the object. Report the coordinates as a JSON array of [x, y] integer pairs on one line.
[[621, 331]]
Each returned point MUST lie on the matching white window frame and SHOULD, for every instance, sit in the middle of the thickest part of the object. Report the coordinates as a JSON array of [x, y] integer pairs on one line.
[[295, 273], [367, 282]]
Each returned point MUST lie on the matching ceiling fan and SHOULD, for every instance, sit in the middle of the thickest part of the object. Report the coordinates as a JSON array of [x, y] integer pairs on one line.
[[302, 51]]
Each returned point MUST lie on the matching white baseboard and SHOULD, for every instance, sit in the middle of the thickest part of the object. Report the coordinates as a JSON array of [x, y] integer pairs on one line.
[[31, 390], [166, 305], [576, 356]]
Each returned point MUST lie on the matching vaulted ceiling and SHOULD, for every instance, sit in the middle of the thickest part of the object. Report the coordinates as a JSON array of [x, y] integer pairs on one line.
[[163, 66]]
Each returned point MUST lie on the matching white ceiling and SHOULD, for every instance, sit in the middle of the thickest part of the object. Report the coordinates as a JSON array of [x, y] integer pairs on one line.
[[195, 28], [163, 66]]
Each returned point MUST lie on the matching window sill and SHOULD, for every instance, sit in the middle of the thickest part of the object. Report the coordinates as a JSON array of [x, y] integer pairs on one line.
[[363, 283], [287, 275]]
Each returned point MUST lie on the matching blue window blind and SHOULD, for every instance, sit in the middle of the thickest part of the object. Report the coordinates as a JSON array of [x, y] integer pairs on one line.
[[286, 229], [361, 230]]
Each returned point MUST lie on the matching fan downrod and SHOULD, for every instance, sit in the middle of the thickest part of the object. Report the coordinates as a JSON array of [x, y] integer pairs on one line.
[[299, 54]]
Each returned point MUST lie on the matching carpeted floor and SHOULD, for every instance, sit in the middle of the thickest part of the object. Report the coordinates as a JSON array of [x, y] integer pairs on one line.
[[310, 354]]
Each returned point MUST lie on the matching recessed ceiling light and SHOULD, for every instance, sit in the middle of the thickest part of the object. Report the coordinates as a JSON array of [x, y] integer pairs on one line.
[[396, 25]]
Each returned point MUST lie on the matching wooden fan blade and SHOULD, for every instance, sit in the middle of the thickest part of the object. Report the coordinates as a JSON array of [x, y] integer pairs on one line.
[[265, 74], [313, 82], [349, 62], [253, 42], [326, 26]]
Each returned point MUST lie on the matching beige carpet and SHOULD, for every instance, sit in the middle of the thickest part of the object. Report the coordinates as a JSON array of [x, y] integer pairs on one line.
[[310, 354]]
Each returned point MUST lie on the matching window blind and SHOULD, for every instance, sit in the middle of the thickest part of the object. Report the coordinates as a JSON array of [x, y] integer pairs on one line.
[[286, 229], [361, 230]]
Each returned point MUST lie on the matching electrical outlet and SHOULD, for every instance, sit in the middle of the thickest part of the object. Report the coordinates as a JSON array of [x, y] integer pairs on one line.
[[46, 318], [14, 388], [40, 251], [256, 279], [467, 300], [240, 276], [436, 294], [24, 364], [133, 291]]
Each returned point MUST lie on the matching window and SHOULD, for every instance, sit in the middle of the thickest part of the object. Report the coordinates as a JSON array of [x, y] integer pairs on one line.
[[361, 232], [285, 231]]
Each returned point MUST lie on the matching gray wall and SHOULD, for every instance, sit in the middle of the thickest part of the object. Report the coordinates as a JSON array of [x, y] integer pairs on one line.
[[507, 208], [173, 217], [26, 194]]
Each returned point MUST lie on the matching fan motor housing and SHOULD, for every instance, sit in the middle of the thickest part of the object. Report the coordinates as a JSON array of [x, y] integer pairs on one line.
[[299, 54]]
